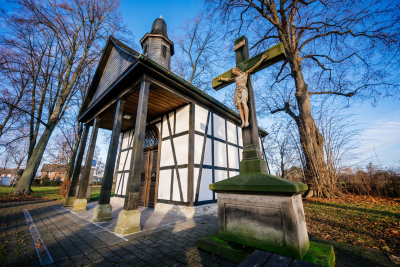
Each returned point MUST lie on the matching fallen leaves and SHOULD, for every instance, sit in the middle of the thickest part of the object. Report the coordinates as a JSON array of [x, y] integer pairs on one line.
[[372, 222]]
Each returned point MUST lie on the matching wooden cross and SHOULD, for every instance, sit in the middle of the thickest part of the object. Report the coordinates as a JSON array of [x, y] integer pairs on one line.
[[250, 135]]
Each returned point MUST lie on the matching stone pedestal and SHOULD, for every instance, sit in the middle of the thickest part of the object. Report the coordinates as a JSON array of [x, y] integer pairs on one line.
[[272, 223], [102, 213], [258, 210], [262, 211], [69, 202], [128, 222], [79, 205]]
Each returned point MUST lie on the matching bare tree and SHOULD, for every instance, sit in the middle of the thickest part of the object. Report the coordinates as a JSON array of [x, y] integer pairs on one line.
[[18, 150], [79, 29], [281, 151], [342, 49], [198, 41]]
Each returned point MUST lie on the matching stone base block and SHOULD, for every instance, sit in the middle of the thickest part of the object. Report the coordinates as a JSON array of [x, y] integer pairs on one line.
[[252, 165], [128, 222], [69, 202], [188, 212], [268, 222], [228, 250], [79, 205], [102, 213], [320, 254]]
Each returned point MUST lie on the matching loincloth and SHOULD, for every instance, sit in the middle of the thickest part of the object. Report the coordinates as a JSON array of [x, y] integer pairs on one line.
[[241, 95]]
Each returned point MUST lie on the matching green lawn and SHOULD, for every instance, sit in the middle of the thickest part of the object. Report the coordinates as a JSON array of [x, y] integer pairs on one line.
[[48, 192], [372, 222]]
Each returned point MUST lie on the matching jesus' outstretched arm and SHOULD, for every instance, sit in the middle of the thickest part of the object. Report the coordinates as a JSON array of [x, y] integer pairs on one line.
[[264, 56], [227, 79]]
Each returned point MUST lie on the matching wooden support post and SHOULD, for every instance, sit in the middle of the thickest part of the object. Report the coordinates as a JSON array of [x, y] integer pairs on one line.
[[132, 191], [112, 155], [190, 190], [69, 201], [81, 201], [103, 210], [129, 218]]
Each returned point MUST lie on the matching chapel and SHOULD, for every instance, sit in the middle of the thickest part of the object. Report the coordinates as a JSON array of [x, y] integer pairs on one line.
[[182, 138]]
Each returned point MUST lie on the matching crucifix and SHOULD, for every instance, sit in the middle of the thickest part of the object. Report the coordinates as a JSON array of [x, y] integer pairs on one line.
[[244, 95], [255, 208]]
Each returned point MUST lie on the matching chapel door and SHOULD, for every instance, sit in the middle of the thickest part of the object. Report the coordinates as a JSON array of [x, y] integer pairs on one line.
[[148, 178], [143, 194], [153, 177]]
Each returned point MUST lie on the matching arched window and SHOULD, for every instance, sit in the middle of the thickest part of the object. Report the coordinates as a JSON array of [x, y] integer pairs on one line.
[[150, 138]]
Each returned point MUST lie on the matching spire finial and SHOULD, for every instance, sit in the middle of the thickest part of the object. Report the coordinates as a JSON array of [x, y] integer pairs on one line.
[[161, 17]]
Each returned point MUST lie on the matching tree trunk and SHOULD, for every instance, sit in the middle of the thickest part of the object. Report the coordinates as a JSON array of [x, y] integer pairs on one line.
[[316, 173], [24, 184]]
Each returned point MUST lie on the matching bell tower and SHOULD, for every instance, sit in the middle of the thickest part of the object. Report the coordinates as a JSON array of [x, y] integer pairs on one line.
[[156, 44]]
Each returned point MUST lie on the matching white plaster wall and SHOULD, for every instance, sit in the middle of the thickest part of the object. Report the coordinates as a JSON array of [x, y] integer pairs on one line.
[[166, 154], [122, 181], [195, 180], [200, 119], [198, 149], [208, 153], [164, 184], [181, 145], [183, 178], [233, 157], [165, 131], [233, 173], [182, 119], [231, 131], [240, 136], [125, 160], [220, 175], [206, 179], [219, 127], [127, 138], [220, 154]]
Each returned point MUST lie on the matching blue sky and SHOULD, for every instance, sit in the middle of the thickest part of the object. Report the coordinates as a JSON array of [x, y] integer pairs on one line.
[[381, 124]]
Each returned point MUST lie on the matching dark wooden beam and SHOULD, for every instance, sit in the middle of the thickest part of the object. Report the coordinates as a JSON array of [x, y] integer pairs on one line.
[[89, 158], [106, 186], [78, 164], [133, 186], [191, 153]]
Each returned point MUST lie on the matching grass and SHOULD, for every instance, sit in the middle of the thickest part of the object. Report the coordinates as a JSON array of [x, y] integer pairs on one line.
[[372, 222], [47, 192]]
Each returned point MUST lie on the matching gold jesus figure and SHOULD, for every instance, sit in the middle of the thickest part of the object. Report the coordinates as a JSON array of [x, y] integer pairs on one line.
[[241, 91]]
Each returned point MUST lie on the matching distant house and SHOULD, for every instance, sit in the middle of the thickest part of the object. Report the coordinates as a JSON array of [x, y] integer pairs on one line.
[[54, 172], [6, 176]]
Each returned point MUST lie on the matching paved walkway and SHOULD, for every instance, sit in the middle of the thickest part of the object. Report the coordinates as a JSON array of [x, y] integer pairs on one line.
[[165, 241]]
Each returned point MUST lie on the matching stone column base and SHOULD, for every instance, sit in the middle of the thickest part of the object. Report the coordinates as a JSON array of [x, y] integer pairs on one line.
[[128, 222], [102, 213], [69, 202], [79, 205]]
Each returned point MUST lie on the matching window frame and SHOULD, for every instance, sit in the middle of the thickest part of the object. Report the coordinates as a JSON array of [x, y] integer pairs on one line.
[[164, 50]]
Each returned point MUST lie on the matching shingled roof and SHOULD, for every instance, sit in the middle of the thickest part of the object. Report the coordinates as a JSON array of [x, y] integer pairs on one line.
[[54, 168]]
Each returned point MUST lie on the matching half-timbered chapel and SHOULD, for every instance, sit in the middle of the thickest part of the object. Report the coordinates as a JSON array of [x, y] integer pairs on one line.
[[169, 140]]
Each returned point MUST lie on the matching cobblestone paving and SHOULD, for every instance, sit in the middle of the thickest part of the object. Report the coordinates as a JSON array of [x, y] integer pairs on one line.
[[71, 244]]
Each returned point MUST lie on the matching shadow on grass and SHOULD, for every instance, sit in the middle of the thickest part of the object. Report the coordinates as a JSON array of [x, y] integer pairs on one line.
[[370, 211]]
